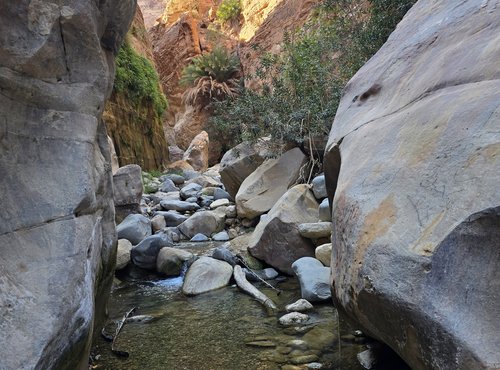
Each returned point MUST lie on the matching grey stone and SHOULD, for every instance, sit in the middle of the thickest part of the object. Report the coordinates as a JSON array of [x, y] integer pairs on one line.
[[323, 253], [123, 254], [158, 222], [412, 165], [263, 187], [127, 185], [190, 190], [57, 232], [221, 194], [134, 228], [276, 240], [205, 181], [224, 254], [265, 274], [299, 306], [172, 218], [204, 222], [324, 211], [179, 205], [206, 274], [206, 201], [145, 253], [231, 211], [316, 230], [199, 238], [314, 279], [367, 359], [293, 318], [319, 187], [171, 260], [173, 233], [219, 203], [176, 179], [192, 200], [168, 186], [221, 236]]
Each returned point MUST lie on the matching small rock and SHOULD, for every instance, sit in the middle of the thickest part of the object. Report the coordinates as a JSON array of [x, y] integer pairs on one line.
[[367, 359], [319, 187], [179, 205], [221, 194], [324, 211], [293, 318], [299, 360], [266, 274], [145, 253], [219, 203], [134, 228], [324, 253], [172, 218], [221, 236], [190, 190], [319, 338], [158, 223], [249, 223], [299, 306], [316, 230], [223, 254], [168, 186], [204, 222], [123, 253], [176, 179], [232, 233], [314, 279], [314, 365], [199, 238], [171, 260], [298, 344], [231, 211], [206, 274]]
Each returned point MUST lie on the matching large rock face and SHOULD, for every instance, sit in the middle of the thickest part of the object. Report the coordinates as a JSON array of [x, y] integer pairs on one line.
[[416, 229], [57, 232]]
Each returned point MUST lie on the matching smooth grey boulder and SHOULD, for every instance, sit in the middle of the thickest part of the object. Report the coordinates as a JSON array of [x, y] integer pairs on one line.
[[221, 236], [190, 190], [276, 239], [172, 218], [412, 165], [324, 211], [219, 203], [145, 253], [299, 306], [199, 238], [57, 232], [239, 162], [315, 230], [206, 274], [203, 222], [179, 205], [223, 254], [123, 253], [134, 228], [319, 187], [323, 253], [263, 187], [170, 261], [127, 185], [265, 274], [168, 186], [221, 194], [176, 179], [314, 279], [158, 223]]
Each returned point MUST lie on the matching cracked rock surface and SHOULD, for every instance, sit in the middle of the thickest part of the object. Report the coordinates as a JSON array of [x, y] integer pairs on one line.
[[412, 165]]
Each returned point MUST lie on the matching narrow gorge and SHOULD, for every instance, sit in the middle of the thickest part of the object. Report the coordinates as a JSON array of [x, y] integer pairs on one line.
[[250, 184]]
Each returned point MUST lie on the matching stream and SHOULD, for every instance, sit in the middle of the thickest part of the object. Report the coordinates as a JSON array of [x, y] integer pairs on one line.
[[220, 330]]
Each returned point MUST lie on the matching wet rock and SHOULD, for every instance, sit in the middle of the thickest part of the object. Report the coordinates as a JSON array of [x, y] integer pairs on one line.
[[203, 222], [145, 253], [123, 254], [168, 186], [299, 360], [296, 206], [179, 205], [319, 338], [199, 238], [262, 344], [323, 253], [319, 187], [263, 187], [172, 218], [134, 228], [298, 344], [324, 211], [299, 306], [314, 279], [221, 236], [316, 230], [170, 261], [190, 190], [206, 274], [293, 318]]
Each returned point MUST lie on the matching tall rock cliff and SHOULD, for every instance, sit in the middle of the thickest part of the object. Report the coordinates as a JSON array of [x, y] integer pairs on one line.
[[412, 167], [134, 114], [57, 232]]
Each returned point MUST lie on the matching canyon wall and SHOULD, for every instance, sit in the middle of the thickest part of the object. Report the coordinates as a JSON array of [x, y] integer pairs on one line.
[[57, 231]]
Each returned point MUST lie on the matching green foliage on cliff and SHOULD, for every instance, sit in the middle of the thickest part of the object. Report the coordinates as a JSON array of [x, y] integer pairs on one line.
[[229, 10], [302, 86], [137, 78]]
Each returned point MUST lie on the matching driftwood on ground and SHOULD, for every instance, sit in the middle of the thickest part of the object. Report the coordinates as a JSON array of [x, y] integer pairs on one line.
[[243, 284], [118, 329]]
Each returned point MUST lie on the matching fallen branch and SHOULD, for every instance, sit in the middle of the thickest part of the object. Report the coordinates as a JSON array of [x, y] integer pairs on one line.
[[278, 292], [117, 332], [244, 285]]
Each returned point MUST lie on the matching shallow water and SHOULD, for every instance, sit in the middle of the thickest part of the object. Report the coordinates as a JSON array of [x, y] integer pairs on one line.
[[212, 330]]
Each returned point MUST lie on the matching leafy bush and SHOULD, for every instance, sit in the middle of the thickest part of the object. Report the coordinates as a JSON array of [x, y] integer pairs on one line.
[[211, 76], [303, 85], [137, 78], [229, 10]]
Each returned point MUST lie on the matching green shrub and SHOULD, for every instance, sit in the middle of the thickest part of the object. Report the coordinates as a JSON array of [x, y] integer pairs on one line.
[[211, 76], [303, 85], [137, 78], [229, 10]]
